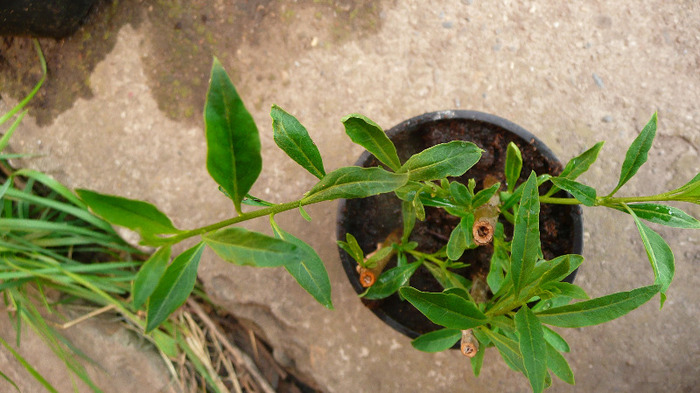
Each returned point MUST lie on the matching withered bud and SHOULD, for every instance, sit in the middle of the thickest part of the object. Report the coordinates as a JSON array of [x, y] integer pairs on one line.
[[482, 232], [469, 345]]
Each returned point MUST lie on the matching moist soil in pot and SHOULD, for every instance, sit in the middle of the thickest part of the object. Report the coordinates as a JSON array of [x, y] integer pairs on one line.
[[372, 219]]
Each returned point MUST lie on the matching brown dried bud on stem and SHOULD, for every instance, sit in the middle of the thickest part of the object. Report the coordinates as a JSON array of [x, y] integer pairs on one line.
[[369, 276], [469, 345], [485, 218]]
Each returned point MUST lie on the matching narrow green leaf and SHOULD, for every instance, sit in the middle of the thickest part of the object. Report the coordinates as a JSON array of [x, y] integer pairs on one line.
[[353, 249], [460, 194], [243, 247], [478, 360], [448, 310], [533, 347], [457, 242], [294, 140], [354, 182], [233, 143], [566, 289], [27, 366], [174, 287], [662, 214], [561, 267], [304, 214], [308, 270], [509, 350], [418, 207], [637, 153], [585, 194], [485, 195], [137, 215], [580, 164], [10, 381], [443, 160], [5, 140], [514, 165], [370, 135], [525, 247], [599, 310], [555, 340], [149, 275], [446, 278], [408, 214], [390, 281], [437, 341], [659, 254], [559, 366]]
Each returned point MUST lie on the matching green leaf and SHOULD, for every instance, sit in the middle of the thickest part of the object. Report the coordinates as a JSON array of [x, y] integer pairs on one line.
[[390, 281], [560, 267], [555, 340], [294, 140], [418, 207], [460, 194], [485, 195], [448, 310], [243, 247], [637, 153], [437, 341], [509, 350], [580, 164], [585, 194], [354, 182], [408, 214], [599, 310], [304, 214], [308, 270], [136, 215], [369, 135], [353, 249], [566, 289], [525, 247], [448, 279], [27, 366], [443, 160], [662, 214], [559, 366], [533, 347], [459, 239], [514, 164], [5, 140], [149, 276], [659, 254], [174, 287], [233, 143]]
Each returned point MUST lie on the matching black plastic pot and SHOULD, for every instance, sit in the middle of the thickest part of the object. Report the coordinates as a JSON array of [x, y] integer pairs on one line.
[[42, 18], [370, 220]]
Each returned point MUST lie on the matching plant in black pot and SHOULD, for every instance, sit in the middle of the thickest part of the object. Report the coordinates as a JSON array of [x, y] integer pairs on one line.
[[472, 253]]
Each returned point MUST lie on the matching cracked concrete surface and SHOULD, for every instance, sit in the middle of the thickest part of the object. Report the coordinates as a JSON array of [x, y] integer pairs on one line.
[[572, 74]]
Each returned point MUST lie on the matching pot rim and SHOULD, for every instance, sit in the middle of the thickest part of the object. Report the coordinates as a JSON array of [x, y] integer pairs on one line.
[[416, 122]]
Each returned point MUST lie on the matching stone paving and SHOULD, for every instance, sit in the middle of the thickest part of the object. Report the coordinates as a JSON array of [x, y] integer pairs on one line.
[[573, 74]]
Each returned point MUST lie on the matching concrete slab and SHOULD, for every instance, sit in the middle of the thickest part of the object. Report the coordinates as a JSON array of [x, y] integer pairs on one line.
[[572, 74]]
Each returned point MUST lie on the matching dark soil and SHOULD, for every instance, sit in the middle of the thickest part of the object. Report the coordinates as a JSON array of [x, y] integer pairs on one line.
[[370, 220]]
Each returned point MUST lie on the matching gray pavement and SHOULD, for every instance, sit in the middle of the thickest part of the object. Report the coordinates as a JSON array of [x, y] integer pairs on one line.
[[573, 74]]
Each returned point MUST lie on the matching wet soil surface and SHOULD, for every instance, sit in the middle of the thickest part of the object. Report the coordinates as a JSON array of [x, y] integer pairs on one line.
[[370, 220]]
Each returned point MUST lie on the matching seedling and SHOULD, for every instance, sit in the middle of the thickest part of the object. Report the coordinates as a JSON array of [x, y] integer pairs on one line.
[[508, 309]]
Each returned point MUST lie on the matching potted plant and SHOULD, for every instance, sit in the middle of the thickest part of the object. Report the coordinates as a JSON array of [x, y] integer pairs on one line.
[[371, 220], [524, 288]]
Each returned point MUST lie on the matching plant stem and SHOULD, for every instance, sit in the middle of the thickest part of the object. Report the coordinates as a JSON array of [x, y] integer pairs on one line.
[[608, 201], [234, 220]]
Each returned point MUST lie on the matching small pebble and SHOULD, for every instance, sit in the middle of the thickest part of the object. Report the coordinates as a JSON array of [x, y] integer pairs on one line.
[[467, 2], [598, 80], [607, 119], [448, 24]]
